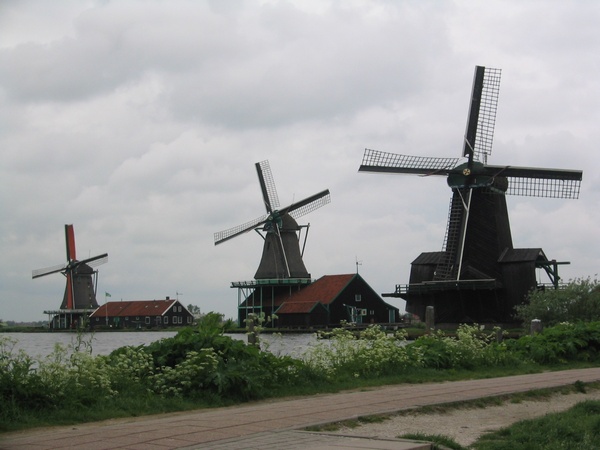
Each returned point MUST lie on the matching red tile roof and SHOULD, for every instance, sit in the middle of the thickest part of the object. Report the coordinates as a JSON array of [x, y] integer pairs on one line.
[[324, 291], [291, 307], [134, 308]]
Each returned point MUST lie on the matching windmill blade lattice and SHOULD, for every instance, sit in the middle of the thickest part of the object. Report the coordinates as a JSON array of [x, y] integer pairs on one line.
[[47, 270], [544, 187], [376, 161], [230, 233], [95, 261], [309, 204], [267, 186], [479, 135], [271, 201]]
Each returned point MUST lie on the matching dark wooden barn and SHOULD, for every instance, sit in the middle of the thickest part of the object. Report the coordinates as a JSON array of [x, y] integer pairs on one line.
[[326, 302], [478, 297], [142, 314]]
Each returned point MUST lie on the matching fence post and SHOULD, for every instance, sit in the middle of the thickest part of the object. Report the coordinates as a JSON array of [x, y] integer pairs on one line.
[[536, 326], [429, 319], [251, 331], [499, 335]]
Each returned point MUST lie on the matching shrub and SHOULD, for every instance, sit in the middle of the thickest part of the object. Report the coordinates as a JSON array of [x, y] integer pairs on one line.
[[369, 353], [579, 300], [472, 347], [203, 360], [561, 343]]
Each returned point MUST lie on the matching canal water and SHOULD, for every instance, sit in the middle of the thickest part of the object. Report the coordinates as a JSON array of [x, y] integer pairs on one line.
[[102, 343]]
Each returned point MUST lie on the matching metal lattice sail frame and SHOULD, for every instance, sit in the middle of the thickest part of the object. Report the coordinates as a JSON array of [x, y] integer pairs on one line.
[[271, 201], [463, 176]]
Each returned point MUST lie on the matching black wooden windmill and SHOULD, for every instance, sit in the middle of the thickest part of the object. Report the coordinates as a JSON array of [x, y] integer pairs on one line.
[[281, 257], [80, 291], [478, 275]]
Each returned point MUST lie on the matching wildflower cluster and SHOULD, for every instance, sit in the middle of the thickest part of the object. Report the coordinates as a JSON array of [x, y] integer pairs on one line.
[[471, 347], [368, 353], [191, 375]]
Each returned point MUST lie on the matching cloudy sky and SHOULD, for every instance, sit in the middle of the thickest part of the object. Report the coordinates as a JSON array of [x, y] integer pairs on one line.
[[140, 122]]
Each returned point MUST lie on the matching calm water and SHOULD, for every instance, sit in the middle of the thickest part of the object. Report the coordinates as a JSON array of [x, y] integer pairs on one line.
[[42, 344]]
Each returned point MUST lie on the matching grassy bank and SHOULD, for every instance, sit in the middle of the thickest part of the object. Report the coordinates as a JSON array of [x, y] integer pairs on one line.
[[201, 368]]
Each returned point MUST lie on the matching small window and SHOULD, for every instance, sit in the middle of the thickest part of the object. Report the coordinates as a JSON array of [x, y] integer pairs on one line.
[[189, 319], [372, 312], [357, 298], [166, 320], [147, 320]]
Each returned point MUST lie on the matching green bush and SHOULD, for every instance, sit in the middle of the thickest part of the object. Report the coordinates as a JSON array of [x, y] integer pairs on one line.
[[579, 300], [472, 347], [202, 366], [201, 361], [561, 343], [369, 353]]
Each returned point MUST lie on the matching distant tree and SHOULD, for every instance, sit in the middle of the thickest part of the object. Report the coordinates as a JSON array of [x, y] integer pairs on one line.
[[578, 301], [194, 310]]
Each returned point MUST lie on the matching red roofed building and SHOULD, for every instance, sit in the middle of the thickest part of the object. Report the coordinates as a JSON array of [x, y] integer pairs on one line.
[[141, 314], [325, 302]]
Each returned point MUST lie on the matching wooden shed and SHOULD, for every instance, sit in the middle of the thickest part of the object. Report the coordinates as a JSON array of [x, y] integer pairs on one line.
[[142, 314], [332, 299]]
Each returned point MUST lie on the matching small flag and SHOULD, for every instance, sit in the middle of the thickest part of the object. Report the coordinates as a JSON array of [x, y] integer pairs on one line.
[[106, 294]]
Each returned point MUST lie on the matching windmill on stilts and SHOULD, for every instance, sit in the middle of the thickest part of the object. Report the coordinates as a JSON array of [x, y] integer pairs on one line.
[[281, 268]]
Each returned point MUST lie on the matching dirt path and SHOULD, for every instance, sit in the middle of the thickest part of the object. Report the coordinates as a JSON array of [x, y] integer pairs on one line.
[[464, 425]]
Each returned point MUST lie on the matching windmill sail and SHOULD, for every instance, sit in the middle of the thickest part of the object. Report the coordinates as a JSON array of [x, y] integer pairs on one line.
[[281, 256], [80, 289], [471, 278]]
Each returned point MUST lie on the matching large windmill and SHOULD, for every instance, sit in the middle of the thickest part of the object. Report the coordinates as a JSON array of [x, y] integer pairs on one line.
[[81, 280], [281, 269], [478, 275], [281, 257]]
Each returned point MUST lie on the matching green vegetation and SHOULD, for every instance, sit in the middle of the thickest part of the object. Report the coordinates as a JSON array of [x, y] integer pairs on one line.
[[579, 300], [578, 429], [201, 367], [439, 442]]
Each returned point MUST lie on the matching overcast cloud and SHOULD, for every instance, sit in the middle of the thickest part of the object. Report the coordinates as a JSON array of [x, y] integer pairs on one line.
[[140, 122]]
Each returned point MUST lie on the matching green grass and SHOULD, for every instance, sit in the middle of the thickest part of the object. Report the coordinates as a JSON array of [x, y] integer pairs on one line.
[[138, 404], [576, 429], [200, 368], [439, 442], [521, 435]]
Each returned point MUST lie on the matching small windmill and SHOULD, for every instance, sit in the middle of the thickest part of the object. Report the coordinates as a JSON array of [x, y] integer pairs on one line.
[[80, 291], [478, 274], [281, 257]]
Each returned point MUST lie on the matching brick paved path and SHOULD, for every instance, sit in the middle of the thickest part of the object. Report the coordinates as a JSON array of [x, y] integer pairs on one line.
[[239, 426]]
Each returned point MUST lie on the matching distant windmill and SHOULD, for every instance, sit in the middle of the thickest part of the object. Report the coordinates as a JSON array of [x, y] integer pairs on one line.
[[478, 275], [281, 257], [80, 290]]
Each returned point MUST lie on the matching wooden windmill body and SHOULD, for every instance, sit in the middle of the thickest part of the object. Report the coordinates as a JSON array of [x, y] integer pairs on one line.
[[478, 276], [81, 283], [281, 269]]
